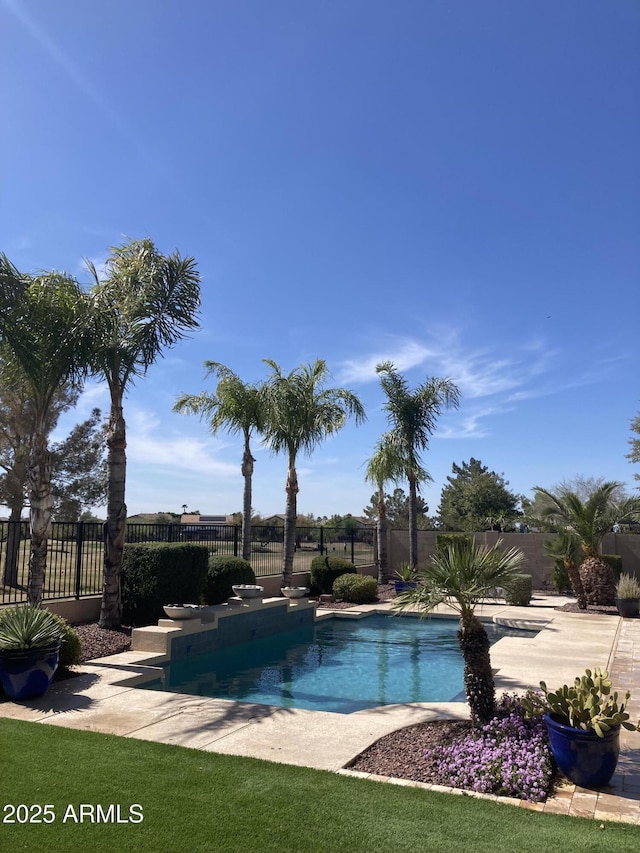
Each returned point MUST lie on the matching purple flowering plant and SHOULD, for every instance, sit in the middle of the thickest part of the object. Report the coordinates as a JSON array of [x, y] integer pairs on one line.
[[509, 756]]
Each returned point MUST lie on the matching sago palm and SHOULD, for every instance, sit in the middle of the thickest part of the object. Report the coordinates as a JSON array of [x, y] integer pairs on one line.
[[412, 417], [237, 407], [301, 413], [146, 302], [589, 521], [459, 575]]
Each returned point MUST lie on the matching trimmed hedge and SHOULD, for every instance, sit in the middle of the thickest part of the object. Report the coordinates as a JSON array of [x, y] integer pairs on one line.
[[356, 589], [222, 574], [519, 591], [159, 573], [325, 570], [615, 562]]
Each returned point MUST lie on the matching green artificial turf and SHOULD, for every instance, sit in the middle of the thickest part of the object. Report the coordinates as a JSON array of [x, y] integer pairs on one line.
[[197, 802]]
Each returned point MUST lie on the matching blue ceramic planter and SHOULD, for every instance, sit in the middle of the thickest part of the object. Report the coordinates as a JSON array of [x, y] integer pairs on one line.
[[584, 758], [403, 586], [27, 673]]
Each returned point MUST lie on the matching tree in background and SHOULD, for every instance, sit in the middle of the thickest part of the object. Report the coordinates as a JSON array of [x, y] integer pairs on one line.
[[460, 575], [412, 417], [384, 466], [146, 302], [301, 413], [476, 499], [237, 407], [634, 456], [79, 469], [43, 331]]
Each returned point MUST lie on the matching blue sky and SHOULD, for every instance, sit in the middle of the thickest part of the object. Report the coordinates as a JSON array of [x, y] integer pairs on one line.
[[449, 184]]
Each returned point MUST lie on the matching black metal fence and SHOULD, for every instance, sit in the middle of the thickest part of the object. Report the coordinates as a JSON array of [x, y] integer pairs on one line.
[[75, 551]]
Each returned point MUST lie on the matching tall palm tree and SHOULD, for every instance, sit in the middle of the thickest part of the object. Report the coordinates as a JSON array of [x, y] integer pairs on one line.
[[459, 575], [146, 302], [237, 407], [588, 521], [300, 413], [384, 466], [43, 329], [413, 417]]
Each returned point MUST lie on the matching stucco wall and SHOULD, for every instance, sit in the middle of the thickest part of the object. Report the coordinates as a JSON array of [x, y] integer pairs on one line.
[[531, 544]]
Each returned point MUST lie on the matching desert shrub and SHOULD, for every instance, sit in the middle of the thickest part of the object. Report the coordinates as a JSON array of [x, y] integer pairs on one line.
[[560, 577], [158, 573], [324, 571], [356, 589], [519, 591], [615, 562], [444, 540], [70, 650], [222, 574]]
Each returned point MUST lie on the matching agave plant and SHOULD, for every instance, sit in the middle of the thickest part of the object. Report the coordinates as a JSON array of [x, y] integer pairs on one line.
[[27, 627]]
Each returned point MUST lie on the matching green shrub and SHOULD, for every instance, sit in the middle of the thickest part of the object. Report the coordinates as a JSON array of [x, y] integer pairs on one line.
[[443, 540], [615, 562], [560, 577], [356, 589], [222, 574], [519, 591], [324, 571], [158, 573], [71, 648]]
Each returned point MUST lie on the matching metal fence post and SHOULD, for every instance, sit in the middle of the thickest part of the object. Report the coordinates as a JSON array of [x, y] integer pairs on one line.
[[321, 540], [79, 544], [235, 540], [353, 550]]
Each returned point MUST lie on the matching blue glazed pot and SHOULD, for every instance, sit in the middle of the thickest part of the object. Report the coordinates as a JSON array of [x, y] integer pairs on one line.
[[403, 586], [27, 673], [584, 758]]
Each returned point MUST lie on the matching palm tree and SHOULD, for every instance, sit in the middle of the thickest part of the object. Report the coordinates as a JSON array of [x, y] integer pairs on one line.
[[459, 575], [566, 547], [43, 329], [413, 416], [237, 407], [383, 467], [300, 413], [146, 302], [588, 521]]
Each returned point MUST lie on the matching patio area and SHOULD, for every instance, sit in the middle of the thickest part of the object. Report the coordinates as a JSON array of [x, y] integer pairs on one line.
[[98, 700]]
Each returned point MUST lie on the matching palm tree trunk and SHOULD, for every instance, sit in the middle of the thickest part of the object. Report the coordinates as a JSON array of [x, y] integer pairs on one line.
[[40, 500], [576, 583], [413, 522], [115, 525], [247, 473], [479, 686], [381, 529], [288, 547]]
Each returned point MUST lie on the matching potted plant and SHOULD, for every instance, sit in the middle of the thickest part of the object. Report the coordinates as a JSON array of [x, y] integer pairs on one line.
[[628, 596], [583, 722], [30, 641], [407, 576]]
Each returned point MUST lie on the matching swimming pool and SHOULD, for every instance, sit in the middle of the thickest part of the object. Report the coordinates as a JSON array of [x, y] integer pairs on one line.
[[339, 665]]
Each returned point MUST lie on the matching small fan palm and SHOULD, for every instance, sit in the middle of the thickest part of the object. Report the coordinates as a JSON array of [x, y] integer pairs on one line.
[[460, 575]]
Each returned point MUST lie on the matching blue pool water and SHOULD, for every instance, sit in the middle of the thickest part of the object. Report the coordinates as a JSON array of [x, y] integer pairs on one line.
[[339, 665]]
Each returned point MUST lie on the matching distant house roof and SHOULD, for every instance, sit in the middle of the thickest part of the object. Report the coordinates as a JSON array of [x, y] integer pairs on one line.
[[205, 519]]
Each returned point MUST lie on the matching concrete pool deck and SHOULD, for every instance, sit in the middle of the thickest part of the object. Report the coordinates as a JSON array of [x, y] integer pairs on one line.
[[96, 700]]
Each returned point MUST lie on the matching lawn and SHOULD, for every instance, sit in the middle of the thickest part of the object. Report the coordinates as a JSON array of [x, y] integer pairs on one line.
[[197, 802]]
